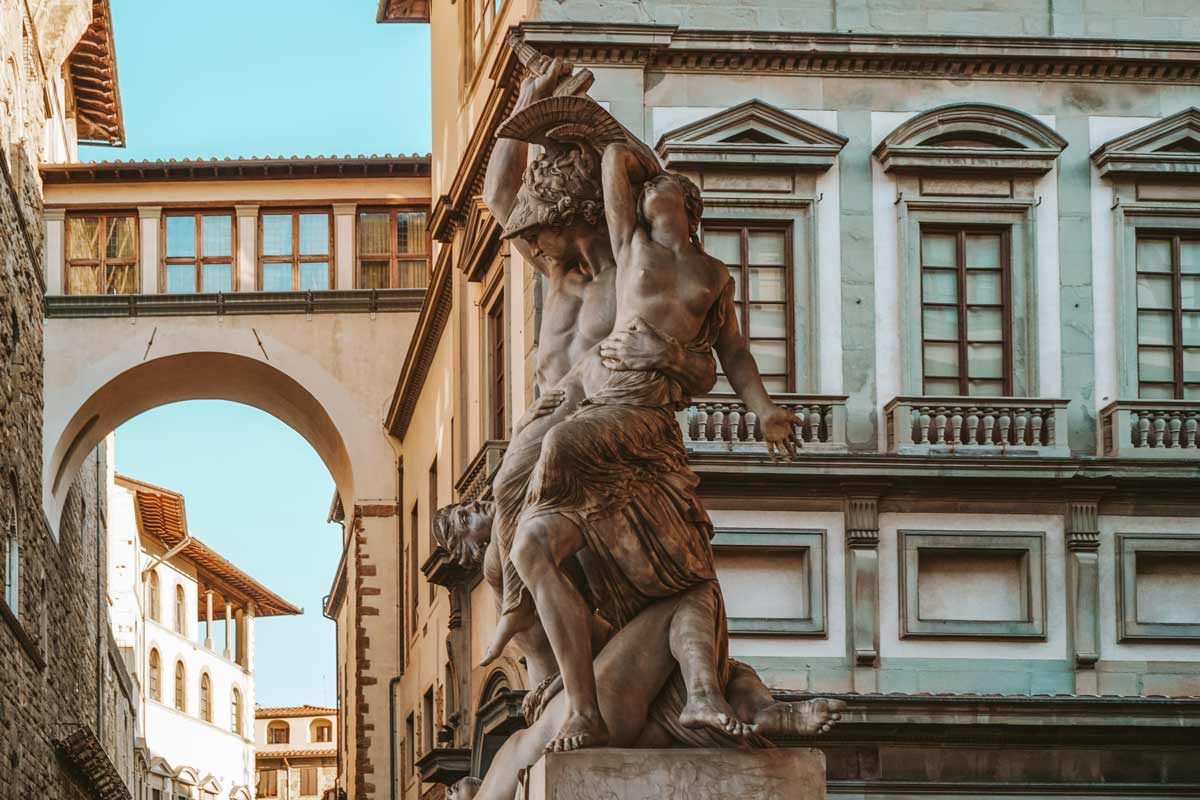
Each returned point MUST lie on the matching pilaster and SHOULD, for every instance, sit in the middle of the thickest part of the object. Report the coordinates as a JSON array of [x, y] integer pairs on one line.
[[1082, 529], [148, 224], [862, 582], [247, 248], [343, 239], [55, 248]]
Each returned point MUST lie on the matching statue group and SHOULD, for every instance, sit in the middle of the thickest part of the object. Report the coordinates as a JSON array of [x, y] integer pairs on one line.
[[597, 545]]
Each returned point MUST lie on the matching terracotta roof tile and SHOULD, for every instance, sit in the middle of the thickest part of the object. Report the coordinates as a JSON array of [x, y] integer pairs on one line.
[[242, 168], [261, 754], [279, 712]]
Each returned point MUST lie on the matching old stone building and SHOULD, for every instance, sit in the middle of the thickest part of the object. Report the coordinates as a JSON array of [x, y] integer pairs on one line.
[[67, 713], [964, 235], [296, 752]]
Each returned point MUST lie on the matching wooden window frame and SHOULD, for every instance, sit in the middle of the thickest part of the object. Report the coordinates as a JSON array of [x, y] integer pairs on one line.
[[154, 596], [497, 377], [473, 61], [235, 711], [432, 505], [1176, 237], [743, 227], [394, 256], [276, 725], [198, 260], [961, 269], [296, 259], [414, 559], [102, 262], [154, 670], [180, 610], [206, 697], [180, 697]]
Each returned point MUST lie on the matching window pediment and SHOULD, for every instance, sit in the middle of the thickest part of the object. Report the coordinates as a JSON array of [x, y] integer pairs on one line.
[[976, 137], [752, 134], [187, 775], [1170, 146], [160, 766]]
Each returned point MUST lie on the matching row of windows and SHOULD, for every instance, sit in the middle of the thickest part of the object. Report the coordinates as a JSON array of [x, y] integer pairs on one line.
[[295, 251], [206, 706], [154, 603], [279, 732], [267, 784]]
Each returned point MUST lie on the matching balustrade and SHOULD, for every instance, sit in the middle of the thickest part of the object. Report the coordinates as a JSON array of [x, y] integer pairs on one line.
[[723, 424], [1151, 429], [1035, 426], [475, 483]]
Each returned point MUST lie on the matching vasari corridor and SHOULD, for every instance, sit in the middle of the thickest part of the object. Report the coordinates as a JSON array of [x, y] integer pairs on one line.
[[599, 399]]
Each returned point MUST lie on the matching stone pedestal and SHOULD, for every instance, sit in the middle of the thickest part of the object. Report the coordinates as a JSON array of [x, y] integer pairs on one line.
[[679, 774]]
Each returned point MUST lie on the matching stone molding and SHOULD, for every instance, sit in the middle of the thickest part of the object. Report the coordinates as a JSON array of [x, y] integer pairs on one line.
[[331, 301], [1162, 149]]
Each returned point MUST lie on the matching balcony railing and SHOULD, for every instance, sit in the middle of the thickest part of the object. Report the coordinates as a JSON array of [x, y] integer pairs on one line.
[[977, 425], [475, 483], [1150, 429], [715, 424]]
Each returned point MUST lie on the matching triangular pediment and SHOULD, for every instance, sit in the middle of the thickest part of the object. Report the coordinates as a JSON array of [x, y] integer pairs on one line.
[[481, 237], [749, 135], [1166, 147], [160, 766], [210, 784]]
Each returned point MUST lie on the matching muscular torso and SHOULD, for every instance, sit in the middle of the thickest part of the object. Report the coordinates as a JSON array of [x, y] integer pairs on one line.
[[577, 313], [673, 290]]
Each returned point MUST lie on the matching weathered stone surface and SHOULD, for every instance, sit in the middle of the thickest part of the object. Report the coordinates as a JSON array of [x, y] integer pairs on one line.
[[678, 774]]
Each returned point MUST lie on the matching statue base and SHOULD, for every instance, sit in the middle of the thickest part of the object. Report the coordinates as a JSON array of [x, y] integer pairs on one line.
[[785, 773]]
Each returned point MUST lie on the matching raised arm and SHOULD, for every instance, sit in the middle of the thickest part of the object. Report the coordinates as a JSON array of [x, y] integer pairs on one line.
[[624, 165]]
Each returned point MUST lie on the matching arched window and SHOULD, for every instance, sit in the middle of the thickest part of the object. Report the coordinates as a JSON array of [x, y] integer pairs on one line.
[[155, 677], [321, 731], [235, 711], [180, 687], [278, 732], [205, 698], [180, 611], [152, 599]]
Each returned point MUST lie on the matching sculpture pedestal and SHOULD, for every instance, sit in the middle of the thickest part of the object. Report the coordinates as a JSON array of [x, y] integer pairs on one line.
[[784, 773]]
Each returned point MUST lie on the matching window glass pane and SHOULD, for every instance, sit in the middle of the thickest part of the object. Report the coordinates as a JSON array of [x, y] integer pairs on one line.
[[277, 235], [736, 273], [216, 238], [83, 233], [1154, 255], [770, 356], [722, 385], [83, 280], [1191, 391], [768, 320], [1155, 327], [773, 385], [768, 248], [985, 388], [941, 323], [1189, 292], [216, 278], [414, 274], [373, 275], [181, 278], [983, 250], [724, 246], [410, 232], [277, 277], [1155, 365], [1156, 391], [985, 361], [181, 237], [1189, 256], [314, 234], [938, 250], [1191, 328], [985, 325], [984, 288], [941, 360], [941, 387], [1191, 364], [122, 279], [767, 283], [939, 286], [314, 275], [1153, 292], [120, 239], [373, 234]]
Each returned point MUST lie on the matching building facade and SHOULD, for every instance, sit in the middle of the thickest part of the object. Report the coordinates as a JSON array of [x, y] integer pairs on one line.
[[184, 619], [965, 238], [68, 712], [295, 752]]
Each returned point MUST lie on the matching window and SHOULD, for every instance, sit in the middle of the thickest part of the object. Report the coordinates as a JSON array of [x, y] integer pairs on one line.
[[295, 251], [205, 698], [278, 732], [155, 676], [102, 254], [180, 687], [966, 350], [198, 252], [495, 328], [759, 258], [180, 611], [308, 781], [413, 558], [480, 20], [432, 506], [393, 250], [11, 578], [410, 747], [268, 783], [322, 731], [427, 720], [152, 599], [1168, 316], [235, 711]]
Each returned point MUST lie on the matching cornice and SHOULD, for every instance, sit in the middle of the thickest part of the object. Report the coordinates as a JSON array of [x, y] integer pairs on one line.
[[435, 312]]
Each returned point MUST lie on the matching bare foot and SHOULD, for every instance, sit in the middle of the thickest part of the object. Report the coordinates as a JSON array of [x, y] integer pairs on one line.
[[803, 718], [582, 729], [510, 624], [712, 711]]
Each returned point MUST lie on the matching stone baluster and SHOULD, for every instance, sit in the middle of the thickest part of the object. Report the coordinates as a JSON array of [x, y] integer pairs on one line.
[[751, 426], [717, 421], [814, 424], [1051, 433], [1176, 423], [1160, 428], [956, 421], [1143, 430], [972, 425], [939, 426], [923, 423], [1035, 428], [989, 424], [1005, 425], [1189, 431], [735, 424], [1021, 421], [702, 422]]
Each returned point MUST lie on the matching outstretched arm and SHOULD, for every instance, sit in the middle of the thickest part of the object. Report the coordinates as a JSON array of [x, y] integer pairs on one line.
[[623, 166]]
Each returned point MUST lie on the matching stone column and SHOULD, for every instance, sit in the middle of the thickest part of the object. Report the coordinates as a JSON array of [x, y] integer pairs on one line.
[[149, 218], [208, 642], [228, 628], [862, 583], [247, 248], [239, 641], [248, 638], [1082, 529], [344, 245], [55, 253]]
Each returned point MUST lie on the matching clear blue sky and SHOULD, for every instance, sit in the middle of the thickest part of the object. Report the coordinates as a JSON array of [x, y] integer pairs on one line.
[[251, 78]]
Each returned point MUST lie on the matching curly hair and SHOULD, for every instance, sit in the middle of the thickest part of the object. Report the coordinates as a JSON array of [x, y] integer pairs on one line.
[[693, 203], [565, 179]]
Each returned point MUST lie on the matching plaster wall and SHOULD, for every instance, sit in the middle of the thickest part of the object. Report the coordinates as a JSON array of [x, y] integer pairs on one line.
[[300, 733]]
